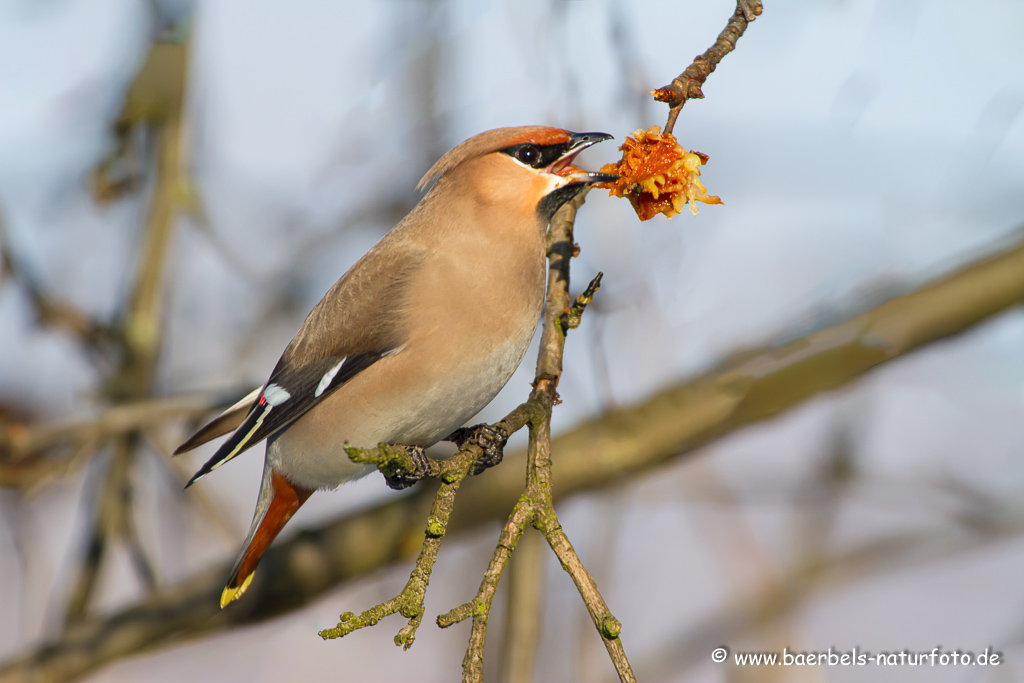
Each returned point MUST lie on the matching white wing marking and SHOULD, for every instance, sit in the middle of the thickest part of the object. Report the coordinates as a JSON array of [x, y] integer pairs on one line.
[[275, 395], [327, 379]]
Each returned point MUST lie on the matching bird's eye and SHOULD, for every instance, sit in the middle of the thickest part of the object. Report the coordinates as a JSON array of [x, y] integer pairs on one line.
[[528, 154]]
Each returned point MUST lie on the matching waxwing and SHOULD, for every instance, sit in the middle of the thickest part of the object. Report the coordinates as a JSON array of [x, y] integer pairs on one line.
[[417, 337]]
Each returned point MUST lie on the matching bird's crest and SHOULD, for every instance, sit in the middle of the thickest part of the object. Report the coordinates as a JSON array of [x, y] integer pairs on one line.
[[491, 141]]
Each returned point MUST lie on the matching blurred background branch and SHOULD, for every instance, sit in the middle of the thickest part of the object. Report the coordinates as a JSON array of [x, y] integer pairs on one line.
[[977, 525], [155, 100]]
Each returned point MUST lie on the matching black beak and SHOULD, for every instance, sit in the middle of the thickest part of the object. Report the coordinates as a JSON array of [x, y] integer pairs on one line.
[[579, 142], [601, 178]]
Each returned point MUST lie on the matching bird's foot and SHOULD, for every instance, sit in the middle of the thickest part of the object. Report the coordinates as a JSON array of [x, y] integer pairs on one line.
[[491, 439], [405, 479]]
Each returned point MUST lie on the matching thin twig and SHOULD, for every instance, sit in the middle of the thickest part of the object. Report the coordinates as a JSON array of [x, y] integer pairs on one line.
[[127, 529], [108, 501], [25, 454], [539, 479], [451, 471], [479, 608], [570, 320], [49, 310], [607, 625], [687, 85], [535, 506]]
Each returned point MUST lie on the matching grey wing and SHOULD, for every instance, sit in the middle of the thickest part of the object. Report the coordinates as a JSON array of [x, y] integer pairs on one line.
[[288, 395], [358, 322]]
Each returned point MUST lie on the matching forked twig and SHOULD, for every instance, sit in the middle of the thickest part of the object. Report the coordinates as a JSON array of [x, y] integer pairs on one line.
[[687, 85], [535, 506]]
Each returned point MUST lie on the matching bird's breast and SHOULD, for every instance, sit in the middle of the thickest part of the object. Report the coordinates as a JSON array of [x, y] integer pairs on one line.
[[470, 316]]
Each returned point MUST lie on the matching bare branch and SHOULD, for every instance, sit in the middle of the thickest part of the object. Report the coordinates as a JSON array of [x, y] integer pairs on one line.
[[49, 310], [451, 471], [535, 506], [570, 320], [687, 85], [108, 503], [24, 461]]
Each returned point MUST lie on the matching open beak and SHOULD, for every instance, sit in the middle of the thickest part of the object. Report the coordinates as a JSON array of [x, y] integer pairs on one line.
[[577, 143]]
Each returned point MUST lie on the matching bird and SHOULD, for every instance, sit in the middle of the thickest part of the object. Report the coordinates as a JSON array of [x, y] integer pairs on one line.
[[417, 337]]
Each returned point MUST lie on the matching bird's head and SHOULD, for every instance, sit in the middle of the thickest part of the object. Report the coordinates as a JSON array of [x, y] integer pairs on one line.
[[530, 166]]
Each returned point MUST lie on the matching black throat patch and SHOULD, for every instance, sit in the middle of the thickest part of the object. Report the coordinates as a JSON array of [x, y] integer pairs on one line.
[[554, 200]]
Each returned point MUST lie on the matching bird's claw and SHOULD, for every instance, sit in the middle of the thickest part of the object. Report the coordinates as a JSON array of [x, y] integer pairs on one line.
[[404, 480], [491, 439]]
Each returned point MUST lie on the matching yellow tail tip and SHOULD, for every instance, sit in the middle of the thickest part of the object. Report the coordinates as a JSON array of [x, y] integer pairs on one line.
[[229, 594]]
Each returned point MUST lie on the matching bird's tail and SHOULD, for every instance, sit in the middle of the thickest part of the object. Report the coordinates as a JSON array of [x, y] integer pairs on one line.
[[279, 500]]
